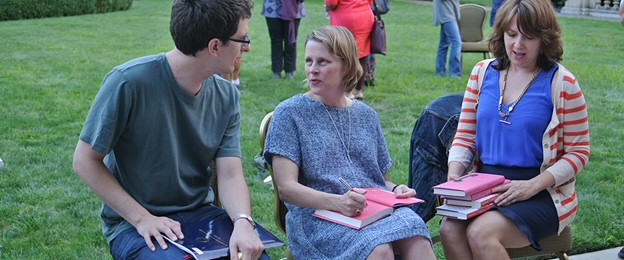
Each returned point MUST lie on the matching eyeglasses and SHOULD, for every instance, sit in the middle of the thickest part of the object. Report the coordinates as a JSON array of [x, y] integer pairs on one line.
[[245, 41]]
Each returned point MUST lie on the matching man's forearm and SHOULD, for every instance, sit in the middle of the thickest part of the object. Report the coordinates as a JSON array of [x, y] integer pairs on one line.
[[234, 195], [90, 168], [233, 190]]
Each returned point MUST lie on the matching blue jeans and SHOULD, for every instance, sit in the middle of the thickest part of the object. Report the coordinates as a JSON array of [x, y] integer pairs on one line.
[[130, 245], [429, 145], [449, 35]]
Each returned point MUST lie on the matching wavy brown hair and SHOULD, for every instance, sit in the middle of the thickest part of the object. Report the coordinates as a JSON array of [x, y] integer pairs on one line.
[[340, 43], [535, 18]]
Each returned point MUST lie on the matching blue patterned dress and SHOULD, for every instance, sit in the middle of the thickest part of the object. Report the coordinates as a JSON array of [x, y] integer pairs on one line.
[[302, 131]]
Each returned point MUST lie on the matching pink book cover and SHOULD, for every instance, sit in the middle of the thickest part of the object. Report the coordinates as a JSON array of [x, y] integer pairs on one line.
[[371, 213], [475, 196], [473, 204], [388, 198], [462, 213], [381, 203], [469, 184]]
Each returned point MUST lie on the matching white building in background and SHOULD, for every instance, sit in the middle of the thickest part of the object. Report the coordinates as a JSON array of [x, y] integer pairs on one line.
[[593, 8]]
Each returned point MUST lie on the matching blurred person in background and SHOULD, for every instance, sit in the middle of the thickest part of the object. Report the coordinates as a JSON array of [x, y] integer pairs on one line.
[[283, 17], [357, 16], [446, 14]]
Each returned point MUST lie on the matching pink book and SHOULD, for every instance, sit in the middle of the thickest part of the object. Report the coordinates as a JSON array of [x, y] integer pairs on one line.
[[468, 184], [381, 203], [462, 213], [478, 203], [475, 196]]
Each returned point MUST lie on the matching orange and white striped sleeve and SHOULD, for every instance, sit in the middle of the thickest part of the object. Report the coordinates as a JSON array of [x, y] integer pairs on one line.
[[569, 141], [463, 148]]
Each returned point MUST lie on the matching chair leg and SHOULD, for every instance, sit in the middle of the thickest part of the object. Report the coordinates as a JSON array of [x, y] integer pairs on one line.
[[290, 256], [461, 55], [562, 256], [435, 239]]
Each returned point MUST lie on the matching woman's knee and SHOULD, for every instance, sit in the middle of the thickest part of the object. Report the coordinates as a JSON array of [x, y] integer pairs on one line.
[[411, 242], [478, 232], [482, 236], [452, 230], [383, 251]]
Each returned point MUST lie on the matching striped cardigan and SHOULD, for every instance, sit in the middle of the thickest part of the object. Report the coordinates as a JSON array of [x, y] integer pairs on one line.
[[565, 141]]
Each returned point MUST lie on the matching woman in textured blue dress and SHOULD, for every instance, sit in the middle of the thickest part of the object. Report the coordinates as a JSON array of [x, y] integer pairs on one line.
[[320, 136]]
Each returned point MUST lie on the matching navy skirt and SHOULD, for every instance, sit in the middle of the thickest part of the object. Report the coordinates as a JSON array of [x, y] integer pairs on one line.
[[536, 217]]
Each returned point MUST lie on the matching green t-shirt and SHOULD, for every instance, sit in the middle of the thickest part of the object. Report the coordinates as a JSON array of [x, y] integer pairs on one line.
[[158, 140]]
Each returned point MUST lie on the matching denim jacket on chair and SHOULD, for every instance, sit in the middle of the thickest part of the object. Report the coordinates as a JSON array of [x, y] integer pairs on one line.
[[429, 145]]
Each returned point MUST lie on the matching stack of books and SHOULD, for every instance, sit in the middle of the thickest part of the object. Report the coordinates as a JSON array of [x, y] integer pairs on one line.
[[469, 196]]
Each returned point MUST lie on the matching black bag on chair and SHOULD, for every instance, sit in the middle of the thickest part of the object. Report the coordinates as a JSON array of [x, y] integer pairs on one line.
[[382, 7]]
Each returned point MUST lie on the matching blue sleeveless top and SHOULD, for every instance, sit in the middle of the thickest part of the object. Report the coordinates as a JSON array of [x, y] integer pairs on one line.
[[518, 144]]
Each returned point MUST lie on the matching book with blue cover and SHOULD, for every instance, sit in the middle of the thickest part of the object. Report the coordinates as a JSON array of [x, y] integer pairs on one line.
[[210, 239]]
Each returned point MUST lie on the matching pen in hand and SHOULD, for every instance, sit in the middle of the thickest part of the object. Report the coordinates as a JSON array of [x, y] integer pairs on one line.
[[345, 184], [348, 187]]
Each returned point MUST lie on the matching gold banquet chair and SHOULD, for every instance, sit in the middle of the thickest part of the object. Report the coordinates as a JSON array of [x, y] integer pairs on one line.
[[555, 244], [279, 208], [471, 23]]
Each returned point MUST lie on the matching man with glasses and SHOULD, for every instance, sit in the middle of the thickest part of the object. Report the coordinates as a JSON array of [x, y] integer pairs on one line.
[[156, 125]]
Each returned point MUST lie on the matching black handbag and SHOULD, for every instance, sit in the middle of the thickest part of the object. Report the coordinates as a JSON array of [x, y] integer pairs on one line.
[[383, 6], [378, 35]]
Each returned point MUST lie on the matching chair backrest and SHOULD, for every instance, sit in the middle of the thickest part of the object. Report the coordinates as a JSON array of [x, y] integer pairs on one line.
[[279, 208], [471, 22], [264, 128], [214, 184]]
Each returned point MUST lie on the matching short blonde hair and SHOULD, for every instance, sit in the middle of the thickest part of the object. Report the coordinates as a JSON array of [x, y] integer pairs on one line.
[[535, 18], [340, 43]]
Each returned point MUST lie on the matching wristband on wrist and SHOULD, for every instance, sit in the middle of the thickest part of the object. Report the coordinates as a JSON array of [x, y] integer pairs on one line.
[[395, 186]]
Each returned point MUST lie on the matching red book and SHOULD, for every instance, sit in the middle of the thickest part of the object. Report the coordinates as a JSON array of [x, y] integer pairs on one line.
[[462, 213], [475, 196], [473, 204], [468, 184], [381, 203]]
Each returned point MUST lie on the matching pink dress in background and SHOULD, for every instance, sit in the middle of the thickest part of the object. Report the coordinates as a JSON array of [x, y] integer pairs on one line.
[[357, 16]]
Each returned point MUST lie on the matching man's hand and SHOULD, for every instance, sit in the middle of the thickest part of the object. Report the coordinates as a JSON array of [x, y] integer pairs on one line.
[[153, 226], [245, 240]]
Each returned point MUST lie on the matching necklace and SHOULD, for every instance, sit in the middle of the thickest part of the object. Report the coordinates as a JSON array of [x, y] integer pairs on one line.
[[515, 102], [346, 147]]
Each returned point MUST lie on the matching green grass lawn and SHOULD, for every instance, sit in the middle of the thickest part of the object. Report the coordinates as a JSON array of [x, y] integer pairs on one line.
[[52, 68]]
